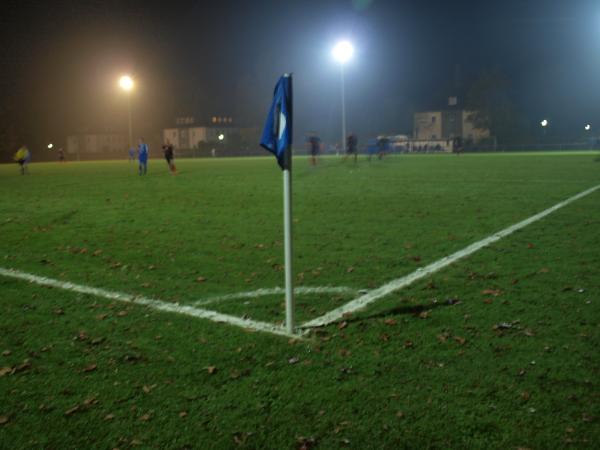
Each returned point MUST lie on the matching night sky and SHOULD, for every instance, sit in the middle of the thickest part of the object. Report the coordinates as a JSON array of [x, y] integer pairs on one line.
[[61, 60]]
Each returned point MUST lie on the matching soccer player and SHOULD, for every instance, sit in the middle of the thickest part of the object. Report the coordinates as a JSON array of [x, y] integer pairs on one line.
[[314, 146], [22, 157], [143, 157], [61, 155], [351, 147], [169, 156], [131, 152]]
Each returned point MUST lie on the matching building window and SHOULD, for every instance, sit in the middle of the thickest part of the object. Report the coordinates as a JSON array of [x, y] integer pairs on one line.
[[214, 120], [433, 119], [433, 136]]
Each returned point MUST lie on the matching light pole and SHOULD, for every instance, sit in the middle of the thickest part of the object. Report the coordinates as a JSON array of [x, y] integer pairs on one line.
[[342, 53], [544, 123], [126, 83]]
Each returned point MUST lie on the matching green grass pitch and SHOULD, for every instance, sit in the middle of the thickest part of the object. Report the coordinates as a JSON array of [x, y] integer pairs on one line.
[[499, 350]]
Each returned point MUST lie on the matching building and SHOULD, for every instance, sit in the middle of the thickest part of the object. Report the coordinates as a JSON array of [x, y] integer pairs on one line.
[[187, 135], [92, 145], [446, 125]]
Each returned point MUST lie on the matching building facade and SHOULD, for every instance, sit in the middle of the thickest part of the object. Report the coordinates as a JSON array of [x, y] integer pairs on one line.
[[96, 144], [447, 125]]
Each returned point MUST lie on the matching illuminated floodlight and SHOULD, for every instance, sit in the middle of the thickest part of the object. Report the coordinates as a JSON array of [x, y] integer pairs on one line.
[[588, 127], [50, 145], [221, 137], [343, 52], [544, 123], [126, 83]]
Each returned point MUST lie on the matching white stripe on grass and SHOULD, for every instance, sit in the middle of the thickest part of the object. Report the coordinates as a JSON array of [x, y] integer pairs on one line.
[[399, 283], [155, 304], [300, 290]]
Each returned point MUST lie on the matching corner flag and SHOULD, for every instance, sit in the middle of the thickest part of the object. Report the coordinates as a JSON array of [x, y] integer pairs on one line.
[[277, 138], [277, 134]]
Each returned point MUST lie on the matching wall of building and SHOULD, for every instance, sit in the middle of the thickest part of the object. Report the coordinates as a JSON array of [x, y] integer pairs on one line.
[[96, 143], [428, 125]]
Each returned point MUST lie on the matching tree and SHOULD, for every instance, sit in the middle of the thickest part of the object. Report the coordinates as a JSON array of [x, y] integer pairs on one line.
[[489, 100]]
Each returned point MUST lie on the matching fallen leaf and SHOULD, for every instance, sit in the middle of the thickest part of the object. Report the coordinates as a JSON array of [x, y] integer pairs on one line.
[[145, 418], [350, 270], [390, 322], [90, 368], [342, 325], [72, 410], [200, 279], [293, 360], [211, 370], [400, 414], [460, 340], [109, 417], [424, 314], [183, 414], [305, 443], [6, 353], [122, 313], [6, 370], [408, 344], [494, 292]]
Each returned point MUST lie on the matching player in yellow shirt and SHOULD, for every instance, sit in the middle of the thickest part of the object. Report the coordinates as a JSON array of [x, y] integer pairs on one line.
[[22, 157]]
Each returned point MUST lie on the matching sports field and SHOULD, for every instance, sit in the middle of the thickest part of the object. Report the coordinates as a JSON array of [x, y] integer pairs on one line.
[[113, 340]]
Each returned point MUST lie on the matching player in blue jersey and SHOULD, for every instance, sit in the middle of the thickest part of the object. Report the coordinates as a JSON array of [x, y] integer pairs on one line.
[[143, 157]]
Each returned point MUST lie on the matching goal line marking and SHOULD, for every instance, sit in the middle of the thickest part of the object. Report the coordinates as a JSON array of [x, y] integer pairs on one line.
[[399, 283], [151, 303]]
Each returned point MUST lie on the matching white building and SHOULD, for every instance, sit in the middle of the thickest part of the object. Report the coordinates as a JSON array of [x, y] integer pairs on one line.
[[186, 135], [95, 143]]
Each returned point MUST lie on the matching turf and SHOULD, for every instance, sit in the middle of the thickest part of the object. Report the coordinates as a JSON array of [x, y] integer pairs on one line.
[[497, 351]]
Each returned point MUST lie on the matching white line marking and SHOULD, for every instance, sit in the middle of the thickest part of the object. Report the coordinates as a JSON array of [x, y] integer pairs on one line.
[[399, 283], [300, 290], [158, 305]]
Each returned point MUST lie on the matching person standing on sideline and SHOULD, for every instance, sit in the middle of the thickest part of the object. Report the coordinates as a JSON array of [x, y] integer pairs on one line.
[[314, 147], [143, 157], [169, 156], [131, 152], [351, 147], [22, 157], [61, 155]]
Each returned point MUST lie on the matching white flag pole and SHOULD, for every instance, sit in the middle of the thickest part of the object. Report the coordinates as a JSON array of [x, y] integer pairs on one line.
[[287, 224]]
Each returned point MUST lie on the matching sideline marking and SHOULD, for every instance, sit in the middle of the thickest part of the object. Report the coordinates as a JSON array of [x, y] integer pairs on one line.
[[399, 283], [151, 303], [300, 290]]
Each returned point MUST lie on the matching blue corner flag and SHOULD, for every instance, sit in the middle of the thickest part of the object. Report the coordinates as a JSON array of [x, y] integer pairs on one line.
[[277, 134]]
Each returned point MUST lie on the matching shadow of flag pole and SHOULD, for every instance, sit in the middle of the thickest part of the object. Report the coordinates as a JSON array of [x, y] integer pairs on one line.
[[277, 138]]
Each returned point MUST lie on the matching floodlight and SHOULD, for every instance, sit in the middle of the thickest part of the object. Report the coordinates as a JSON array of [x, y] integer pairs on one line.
[[588, 127], [221, 137], [544, 123], [50, 145], [126, 83], [343, 52]]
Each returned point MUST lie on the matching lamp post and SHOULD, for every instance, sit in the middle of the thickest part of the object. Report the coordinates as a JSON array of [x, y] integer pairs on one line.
[[544, 123], [126, 83], [342, 53]]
